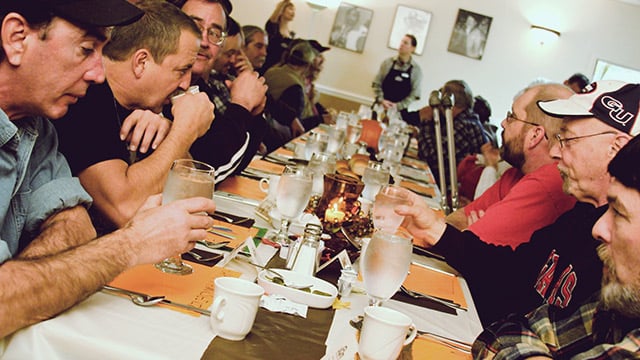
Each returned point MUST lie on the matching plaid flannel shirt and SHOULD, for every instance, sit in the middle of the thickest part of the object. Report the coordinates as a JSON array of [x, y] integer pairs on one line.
[[468, 138], [219, 92], [588, 333]]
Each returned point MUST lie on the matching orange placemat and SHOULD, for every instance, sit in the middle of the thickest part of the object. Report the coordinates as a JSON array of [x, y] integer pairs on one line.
[[266, 166], [415, 163], [420, 189], [425, 348], [239, 232], [283, 151], [195, 289], [243, 186], [431, 282]]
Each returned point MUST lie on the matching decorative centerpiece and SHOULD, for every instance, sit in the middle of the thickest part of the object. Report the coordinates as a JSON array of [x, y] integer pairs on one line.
[[339, 201]]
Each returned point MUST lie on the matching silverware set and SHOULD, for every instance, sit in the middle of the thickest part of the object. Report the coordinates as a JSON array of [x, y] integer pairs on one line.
[[417, 295]]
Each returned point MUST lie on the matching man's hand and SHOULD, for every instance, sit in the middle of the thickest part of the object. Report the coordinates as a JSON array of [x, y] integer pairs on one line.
[[192, 114], [152, 240], [421, 221], [491, 154], [242, 64], [248, 90], [474, 216], [143, 129], [426, 114]]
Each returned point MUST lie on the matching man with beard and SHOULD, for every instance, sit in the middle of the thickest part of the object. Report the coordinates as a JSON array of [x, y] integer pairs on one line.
[[528, 196], [559, 265], [607, 325], [255, 45]]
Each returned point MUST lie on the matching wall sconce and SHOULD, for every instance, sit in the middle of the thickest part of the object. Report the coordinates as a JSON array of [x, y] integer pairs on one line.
[[543, 34]]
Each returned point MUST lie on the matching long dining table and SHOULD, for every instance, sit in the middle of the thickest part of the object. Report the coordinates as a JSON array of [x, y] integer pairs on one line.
[[107, 326]]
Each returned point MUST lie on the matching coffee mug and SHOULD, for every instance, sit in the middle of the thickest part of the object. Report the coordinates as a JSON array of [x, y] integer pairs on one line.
[[270, 186], [384, 333], [234, 309]]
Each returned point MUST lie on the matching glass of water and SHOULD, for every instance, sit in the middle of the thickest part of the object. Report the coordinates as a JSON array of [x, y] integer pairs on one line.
[[294, 191], [375, 176], [186, 179], [384, 216], [316, 143], [385, 264]]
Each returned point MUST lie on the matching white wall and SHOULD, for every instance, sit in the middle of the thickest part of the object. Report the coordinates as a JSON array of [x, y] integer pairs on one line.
[[591, 29]]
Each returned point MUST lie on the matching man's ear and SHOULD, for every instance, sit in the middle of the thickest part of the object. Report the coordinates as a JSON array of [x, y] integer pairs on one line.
[[139, 62], [618, 143], [535, 136], [15, 35]]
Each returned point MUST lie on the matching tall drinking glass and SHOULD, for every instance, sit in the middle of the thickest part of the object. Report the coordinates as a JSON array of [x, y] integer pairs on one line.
[[384, 216], [354, 130], [385, 264], [374, 178], [294, 191], [187, 178], [316, 143]]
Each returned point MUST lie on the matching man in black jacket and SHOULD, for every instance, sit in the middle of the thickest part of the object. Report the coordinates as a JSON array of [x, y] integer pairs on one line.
[[559, 265]]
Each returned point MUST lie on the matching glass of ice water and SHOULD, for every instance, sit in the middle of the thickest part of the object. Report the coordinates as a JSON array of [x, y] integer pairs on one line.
[[384, 216], [186, 179], [294, 191], [385, 264]]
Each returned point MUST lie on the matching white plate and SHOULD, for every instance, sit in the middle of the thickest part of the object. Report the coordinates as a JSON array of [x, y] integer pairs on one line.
[[299, 296], [297, 225]]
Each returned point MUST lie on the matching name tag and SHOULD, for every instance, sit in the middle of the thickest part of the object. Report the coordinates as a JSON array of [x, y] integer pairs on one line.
[[405, 75]]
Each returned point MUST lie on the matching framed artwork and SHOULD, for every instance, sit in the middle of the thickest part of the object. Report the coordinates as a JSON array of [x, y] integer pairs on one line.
[[409, 21], [351, 27], [469, 35]]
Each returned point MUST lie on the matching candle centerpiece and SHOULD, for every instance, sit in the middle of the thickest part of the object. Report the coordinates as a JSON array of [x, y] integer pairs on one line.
[[339, 201]]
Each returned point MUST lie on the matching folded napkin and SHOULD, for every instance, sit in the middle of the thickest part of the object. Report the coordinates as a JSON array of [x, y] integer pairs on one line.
[[195, 289], [243, 186], [435, 283]]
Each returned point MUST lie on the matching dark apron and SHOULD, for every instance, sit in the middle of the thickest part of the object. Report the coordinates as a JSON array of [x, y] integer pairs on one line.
[[397, 84]]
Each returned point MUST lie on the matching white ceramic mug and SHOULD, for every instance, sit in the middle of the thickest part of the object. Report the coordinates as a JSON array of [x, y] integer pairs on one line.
[[234, 309], [270, 186], [384, 333]]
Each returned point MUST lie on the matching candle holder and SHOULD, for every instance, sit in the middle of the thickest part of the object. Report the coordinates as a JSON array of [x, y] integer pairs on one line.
[[339, 201]]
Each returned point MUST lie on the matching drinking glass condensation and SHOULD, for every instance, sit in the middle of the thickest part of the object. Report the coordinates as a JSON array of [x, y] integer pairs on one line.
[[384, 216], [319, 165], [375, 176], [186, 179], [385, 264], [316, 143], [336, 139], [294, 191], [354, 130]]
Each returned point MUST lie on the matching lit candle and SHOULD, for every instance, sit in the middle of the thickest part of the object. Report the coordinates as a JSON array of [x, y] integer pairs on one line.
[[333, 214]]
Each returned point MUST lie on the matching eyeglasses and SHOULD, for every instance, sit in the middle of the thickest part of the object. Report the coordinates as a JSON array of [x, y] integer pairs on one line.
[[563, 141], [512, 116], [215, 35]]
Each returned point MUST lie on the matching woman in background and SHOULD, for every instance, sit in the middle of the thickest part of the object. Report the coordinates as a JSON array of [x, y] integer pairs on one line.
[[280, 35]]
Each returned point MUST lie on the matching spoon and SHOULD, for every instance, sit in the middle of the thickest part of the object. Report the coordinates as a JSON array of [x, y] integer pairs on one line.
[[277, 275], [204, 258], [137, 298]]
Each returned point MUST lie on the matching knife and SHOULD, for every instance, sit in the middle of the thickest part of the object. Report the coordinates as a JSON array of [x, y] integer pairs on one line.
[[186, 307]]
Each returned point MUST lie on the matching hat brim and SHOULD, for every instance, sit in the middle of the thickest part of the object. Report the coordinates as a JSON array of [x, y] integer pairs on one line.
[[99, 12], [562, 108]]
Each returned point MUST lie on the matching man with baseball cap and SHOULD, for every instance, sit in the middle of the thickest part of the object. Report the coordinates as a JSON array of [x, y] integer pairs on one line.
[[559, 265], [49, 256], [607, 324]]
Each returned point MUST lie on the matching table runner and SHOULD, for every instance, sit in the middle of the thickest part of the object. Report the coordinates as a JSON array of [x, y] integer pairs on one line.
[[277, 336]]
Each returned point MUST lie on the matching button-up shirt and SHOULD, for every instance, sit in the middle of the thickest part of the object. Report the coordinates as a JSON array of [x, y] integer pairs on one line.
[[35, 181]]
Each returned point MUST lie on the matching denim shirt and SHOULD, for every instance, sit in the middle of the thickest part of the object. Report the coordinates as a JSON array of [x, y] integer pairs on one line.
[[35, 181]]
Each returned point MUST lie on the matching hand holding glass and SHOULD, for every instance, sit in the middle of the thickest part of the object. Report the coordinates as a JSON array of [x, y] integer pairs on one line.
[[187, 178], [384, 216]]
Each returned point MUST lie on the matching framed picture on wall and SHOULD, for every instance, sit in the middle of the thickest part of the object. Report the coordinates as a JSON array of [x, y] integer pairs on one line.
[[469, 35], [409, 21], [606, 70], [351, 27]]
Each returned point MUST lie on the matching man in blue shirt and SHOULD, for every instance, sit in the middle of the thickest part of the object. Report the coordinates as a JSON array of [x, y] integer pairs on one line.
[[49, 257]]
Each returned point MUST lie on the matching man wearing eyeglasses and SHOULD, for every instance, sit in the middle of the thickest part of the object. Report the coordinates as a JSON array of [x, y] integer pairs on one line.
[[559, 266], [528, 196], [145, 63], [235, 136]]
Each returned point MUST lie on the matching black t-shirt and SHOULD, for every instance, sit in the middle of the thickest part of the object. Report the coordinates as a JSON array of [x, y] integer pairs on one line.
[[559, 266]]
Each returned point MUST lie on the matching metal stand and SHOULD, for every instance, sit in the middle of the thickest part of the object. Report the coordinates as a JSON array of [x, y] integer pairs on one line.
[[439, 102]]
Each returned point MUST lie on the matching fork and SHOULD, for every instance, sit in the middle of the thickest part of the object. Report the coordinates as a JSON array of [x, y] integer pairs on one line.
[[417, 295], [203, 258]]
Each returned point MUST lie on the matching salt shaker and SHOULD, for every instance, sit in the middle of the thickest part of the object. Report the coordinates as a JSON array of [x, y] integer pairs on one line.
[[304, 260], [347, 278]]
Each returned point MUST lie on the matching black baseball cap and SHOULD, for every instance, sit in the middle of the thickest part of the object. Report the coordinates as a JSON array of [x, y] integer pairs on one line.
[[317, 46], [100, 13]]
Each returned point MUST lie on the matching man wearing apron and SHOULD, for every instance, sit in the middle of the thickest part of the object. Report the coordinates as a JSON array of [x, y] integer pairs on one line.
[[397, 84]]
